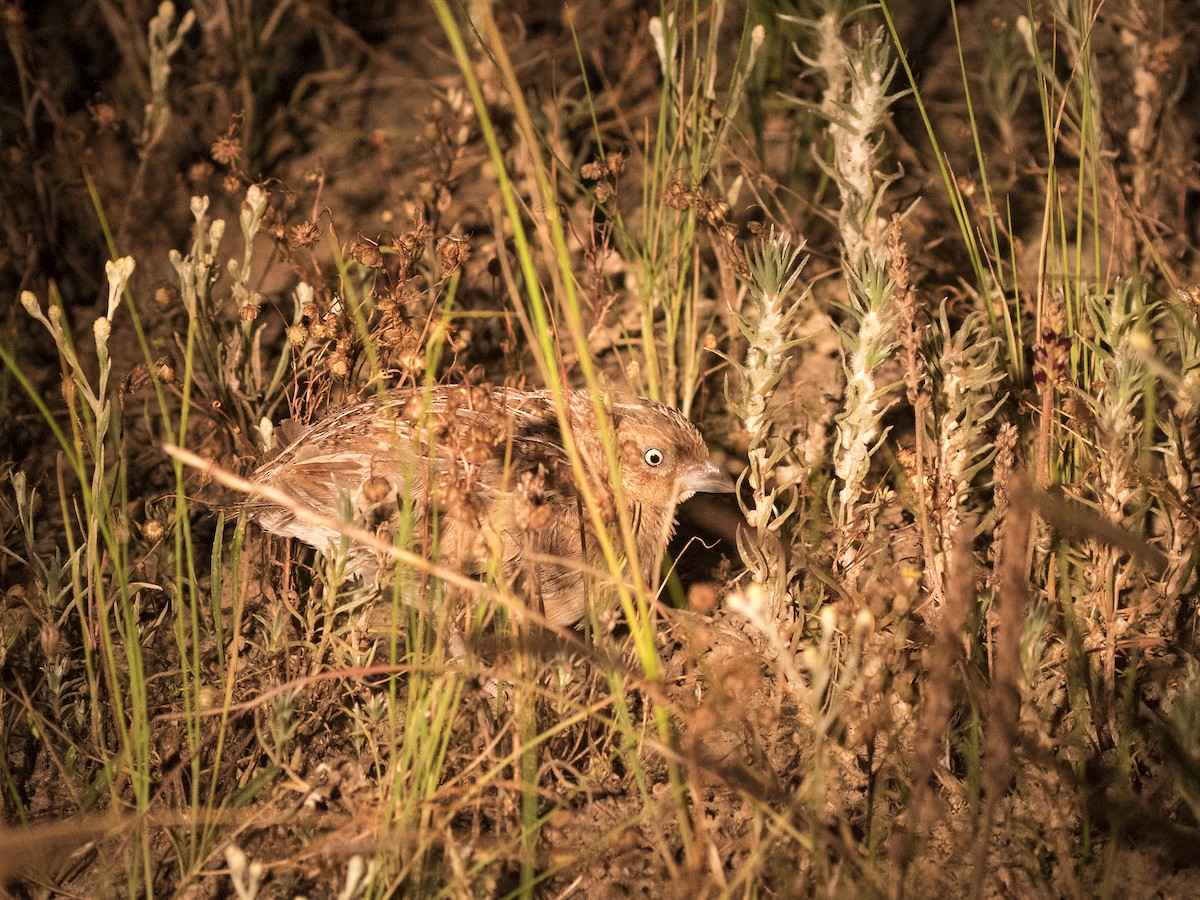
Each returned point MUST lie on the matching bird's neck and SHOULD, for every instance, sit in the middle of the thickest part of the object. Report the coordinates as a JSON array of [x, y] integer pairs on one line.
[[653, 529]]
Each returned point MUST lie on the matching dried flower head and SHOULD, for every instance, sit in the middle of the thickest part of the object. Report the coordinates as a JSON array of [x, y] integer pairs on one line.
[[227, 149], [366, 254], [678, 196], [303, 235], [104, 116], [452, 252]]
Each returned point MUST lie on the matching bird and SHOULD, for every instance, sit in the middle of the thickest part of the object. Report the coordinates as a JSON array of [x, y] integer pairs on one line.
[[481, 473]]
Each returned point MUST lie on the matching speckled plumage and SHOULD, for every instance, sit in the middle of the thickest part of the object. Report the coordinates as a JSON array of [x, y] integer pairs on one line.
[[500, 480]]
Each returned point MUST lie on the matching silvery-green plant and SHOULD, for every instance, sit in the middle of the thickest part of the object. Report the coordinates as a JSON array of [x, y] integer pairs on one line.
[[866, 342], [768, 323], [856, 95], [1121, 321], [1179, 420], [967, 366], [233, 361], [856, 81], [164, 41]]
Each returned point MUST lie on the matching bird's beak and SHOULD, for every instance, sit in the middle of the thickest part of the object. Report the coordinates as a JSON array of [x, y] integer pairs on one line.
[[707, 479]]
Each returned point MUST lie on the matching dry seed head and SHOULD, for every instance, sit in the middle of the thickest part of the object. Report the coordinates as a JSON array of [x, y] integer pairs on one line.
[[386, 304], [711, 208], [411, 243], [104, 116], [452, 252], [678, 197], [366, 254], [297, 335], [138, 378], [200, 172], [249, 312], [152, 530], [227, 148], [327, 329], [337, 365], [303, 235], [409, 248]]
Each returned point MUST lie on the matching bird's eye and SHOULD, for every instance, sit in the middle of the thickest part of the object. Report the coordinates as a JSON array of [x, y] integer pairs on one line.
[[653, 457]]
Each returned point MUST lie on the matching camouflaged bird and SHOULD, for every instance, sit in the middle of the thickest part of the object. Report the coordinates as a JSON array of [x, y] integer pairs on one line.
[[487, 467]]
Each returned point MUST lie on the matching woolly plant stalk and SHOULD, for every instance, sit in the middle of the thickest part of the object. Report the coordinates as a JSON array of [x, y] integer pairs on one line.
[[769, 324]]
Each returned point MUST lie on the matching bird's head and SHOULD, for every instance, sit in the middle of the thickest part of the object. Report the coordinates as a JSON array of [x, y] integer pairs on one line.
[[664, 460]]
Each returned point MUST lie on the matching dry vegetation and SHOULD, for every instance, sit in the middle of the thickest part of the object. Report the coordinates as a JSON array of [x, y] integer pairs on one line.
[[925, 277]]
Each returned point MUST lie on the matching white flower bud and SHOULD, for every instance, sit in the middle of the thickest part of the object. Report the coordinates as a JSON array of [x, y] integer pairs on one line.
[[256, 198], [119, 270], [199, 207]]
